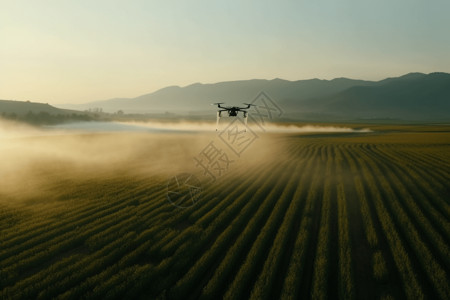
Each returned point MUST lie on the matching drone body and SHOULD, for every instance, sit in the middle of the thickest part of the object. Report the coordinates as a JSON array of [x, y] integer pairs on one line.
[[232, 111]]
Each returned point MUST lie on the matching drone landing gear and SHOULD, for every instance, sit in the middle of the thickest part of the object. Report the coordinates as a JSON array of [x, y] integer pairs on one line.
[[219, 115]]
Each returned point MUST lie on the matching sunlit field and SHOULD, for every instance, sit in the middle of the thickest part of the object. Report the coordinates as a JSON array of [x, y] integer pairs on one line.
[[343, 214]]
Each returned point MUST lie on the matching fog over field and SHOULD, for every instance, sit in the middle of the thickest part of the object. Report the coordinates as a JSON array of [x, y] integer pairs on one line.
[[193, 126], [35, 159], [270, 127], [31, 156]]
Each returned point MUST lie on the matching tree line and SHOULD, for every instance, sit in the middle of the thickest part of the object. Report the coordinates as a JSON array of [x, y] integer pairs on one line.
[[45, 118]]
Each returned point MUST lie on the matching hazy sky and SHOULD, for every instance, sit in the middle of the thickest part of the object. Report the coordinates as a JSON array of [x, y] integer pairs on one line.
[[61, 51]]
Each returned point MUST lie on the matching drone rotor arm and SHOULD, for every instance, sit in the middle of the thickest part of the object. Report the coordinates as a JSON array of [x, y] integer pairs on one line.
[[218, 104]]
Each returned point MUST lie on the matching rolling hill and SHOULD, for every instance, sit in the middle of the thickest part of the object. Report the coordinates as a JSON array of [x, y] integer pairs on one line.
[[24, 107], [40, 113]]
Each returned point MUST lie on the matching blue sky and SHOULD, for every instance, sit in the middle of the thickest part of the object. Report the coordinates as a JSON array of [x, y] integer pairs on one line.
[[60, 51]]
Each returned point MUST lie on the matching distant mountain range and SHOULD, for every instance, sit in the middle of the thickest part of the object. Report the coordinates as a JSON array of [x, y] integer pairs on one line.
[[196, 98], [412, 97]]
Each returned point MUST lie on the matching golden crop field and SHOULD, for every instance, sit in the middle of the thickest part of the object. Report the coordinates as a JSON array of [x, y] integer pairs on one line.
[[323, 215]]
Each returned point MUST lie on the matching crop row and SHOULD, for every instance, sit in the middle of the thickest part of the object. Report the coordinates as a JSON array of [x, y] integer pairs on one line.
[[285, 228]]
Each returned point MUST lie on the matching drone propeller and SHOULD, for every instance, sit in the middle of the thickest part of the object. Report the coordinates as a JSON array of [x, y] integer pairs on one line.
[[218, 103]]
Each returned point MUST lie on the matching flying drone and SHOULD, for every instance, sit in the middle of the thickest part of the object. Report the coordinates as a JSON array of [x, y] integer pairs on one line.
[[232, 111]]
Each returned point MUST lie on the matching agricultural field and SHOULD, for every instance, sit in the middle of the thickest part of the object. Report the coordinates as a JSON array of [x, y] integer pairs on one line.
[[297, 216]]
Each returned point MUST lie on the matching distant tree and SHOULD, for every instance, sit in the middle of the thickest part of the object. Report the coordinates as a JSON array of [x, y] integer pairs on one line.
[[96, 110]]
